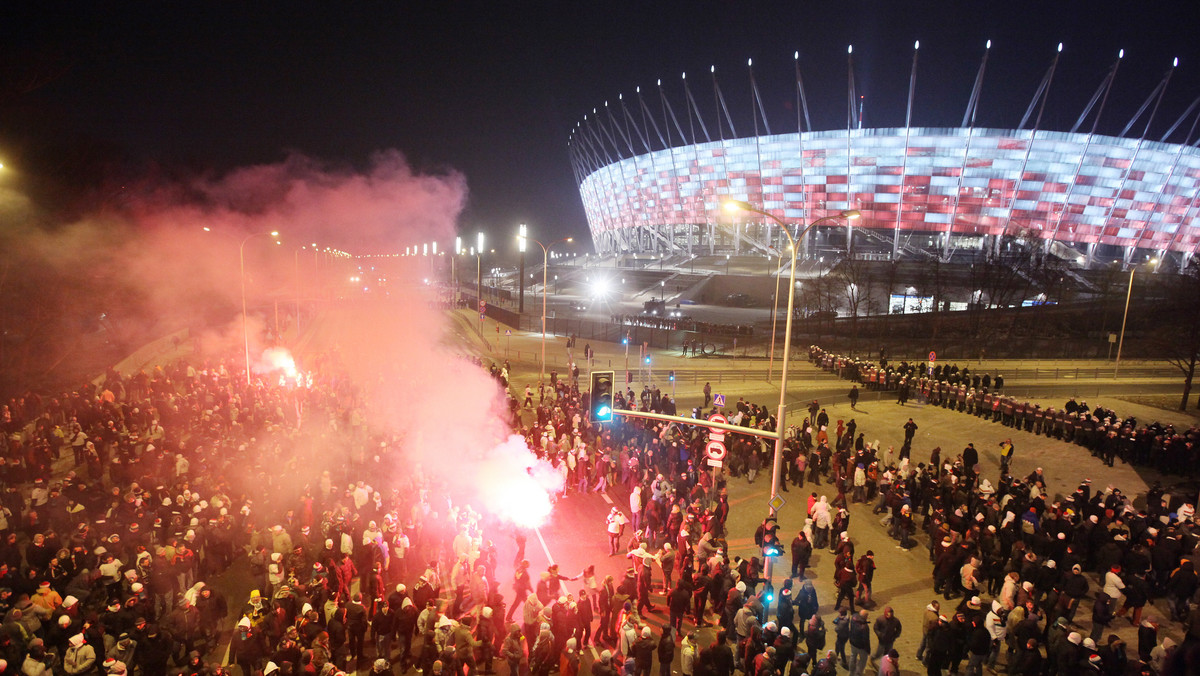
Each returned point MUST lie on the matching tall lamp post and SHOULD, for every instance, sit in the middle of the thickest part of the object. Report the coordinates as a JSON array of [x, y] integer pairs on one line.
[[299, 284], [242, 269], [1124, 317], [774, 309], [781, 416], [479, 265], [522, 235], [458, 248], [521, 238]]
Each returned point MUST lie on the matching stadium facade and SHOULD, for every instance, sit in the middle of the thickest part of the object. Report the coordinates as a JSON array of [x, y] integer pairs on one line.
[[655, 183]]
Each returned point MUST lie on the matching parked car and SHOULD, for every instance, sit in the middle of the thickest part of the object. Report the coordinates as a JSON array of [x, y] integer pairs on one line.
[[739, 300]]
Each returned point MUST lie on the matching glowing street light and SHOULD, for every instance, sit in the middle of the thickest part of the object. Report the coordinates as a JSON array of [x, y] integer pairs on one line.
[[242, 268], [1128, 294], [522, 237], [545, 266], [781, 417]]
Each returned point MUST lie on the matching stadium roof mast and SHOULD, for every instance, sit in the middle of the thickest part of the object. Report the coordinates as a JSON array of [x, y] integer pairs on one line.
[[1040, 96], [630, 122], [802, 105], [1156, 95], [968, 122], [649, 123], [1186, 255], [669, 117], [759, 112], [620, 234], [691, 106], [850, 99], [719, 100], [912, 87], [1101, 95]]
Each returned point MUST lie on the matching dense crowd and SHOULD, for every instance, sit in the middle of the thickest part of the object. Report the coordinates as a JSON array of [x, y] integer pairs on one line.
[[682, 323], [123, 502], [1102, 431]]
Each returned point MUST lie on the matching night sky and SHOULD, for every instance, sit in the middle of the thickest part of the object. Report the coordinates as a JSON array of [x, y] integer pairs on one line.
[[92, 95]]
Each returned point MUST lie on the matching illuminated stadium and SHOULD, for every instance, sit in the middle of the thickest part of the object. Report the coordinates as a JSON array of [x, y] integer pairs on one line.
[[653, 177]]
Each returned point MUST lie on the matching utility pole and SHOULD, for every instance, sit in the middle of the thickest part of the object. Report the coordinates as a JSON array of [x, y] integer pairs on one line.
[[521, 274]]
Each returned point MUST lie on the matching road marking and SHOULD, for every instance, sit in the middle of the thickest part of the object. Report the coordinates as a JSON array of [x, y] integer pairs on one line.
[[607, 499], [545, 549], [538, 532]]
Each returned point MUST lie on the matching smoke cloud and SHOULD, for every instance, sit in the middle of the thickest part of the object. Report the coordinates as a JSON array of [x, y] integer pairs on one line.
[[172, 253]]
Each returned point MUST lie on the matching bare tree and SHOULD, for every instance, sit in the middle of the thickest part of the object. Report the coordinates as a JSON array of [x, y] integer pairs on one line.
[[931, 278], [1179, 338], [852, 281]]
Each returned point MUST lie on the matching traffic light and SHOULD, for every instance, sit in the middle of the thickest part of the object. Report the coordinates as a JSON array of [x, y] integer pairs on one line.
[[602, 396], [771, 545], [647, 359], [770, 538], [671, 376]]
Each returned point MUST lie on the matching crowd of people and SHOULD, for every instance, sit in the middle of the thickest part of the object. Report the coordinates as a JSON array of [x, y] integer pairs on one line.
[[124, 501], [1102, 431], [682, 323], [1038, 584]]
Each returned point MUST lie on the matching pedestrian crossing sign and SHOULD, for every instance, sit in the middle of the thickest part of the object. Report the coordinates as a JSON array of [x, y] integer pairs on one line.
[[718, 400]]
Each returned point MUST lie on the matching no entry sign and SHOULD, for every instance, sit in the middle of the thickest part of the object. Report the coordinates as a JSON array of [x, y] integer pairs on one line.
[[715, 450]]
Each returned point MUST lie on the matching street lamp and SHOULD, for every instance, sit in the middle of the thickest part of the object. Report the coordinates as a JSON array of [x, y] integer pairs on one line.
[[296, 262], [781, 416], [1128, 295], [774, 310], [522, 232], [521, 239], [479, 270], [242, 269]]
